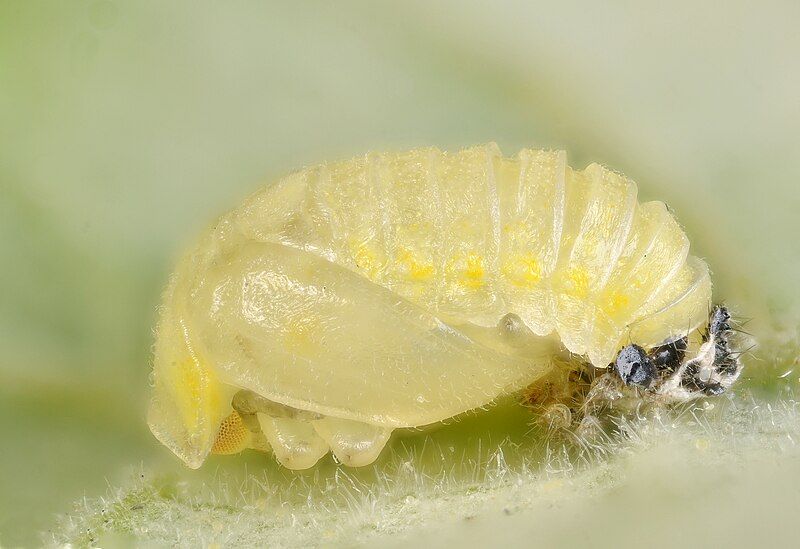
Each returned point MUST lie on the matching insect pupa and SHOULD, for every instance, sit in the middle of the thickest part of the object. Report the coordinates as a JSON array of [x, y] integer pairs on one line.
[[397, 290]]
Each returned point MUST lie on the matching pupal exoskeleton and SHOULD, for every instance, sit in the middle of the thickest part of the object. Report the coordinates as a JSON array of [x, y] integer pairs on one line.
[[401, 289]]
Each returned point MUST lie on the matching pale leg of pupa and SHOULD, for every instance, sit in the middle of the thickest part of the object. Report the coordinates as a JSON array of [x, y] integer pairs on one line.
[[295, 443], [355, 444]]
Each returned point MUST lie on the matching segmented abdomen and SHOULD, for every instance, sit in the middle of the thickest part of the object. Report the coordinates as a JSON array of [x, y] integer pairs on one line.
[[471, 236]]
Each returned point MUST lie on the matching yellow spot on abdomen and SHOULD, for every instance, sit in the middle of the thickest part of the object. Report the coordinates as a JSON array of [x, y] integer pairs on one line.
[[416, 269], [575, 283], [616, 302], [523, 270], [474, 273], [465, 269], [366, 259]]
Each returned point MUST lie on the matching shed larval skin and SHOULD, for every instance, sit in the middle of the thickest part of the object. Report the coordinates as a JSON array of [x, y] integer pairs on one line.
[[400, 289]]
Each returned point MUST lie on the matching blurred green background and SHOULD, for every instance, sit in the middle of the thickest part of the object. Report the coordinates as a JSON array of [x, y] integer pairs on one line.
[[126, 126]]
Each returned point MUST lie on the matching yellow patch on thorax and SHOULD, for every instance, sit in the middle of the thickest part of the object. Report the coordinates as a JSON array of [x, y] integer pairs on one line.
[[301, 338], [195, 391]]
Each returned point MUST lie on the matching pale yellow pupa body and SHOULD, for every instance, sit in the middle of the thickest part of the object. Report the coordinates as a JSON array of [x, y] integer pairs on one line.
[[401, 289]]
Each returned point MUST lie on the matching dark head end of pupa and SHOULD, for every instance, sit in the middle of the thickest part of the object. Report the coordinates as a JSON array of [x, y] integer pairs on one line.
[[719, 320], [635, 367]]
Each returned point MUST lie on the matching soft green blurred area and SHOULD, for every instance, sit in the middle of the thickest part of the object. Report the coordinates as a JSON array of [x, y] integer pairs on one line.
[[126, 126]]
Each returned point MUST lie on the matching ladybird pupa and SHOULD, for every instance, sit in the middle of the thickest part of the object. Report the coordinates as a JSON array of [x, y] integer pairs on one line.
[[398, 290]]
